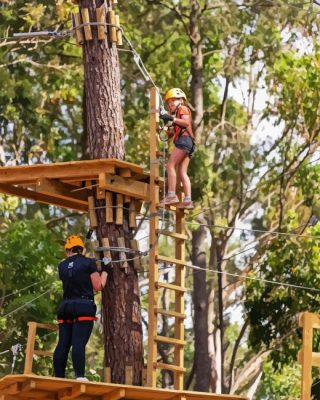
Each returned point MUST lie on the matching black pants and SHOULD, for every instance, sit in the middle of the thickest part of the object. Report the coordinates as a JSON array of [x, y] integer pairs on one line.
[[75, 335]]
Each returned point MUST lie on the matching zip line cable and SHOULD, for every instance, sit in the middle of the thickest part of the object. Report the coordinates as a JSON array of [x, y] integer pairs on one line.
[[21, 290], [25, 304]]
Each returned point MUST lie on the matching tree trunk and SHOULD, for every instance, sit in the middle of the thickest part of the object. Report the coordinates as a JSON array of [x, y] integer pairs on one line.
[[200, 301], [105, 139]]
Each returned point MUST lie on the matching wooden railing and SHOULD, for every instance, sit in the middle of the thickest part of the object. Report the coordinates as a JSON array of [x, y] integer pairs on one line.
[[30, 351], [307, 358]]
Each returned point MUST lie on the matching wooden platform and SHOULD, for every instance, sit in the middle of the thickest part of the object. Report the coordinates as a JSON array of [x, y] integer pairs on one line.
[[58, 184], [14, 387]]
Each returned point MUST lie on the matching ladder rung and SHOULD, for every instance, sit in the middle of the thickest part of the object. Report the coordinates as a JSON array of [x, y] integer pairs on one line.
[[170, 286], [172, 234], [170, 340], [43, 353], [171, 260], [169, 367], [170, 313]]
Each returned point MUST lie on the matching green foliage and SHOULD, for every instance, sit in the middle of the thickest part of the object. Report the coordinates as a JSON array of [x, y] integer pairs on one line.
[[280, 385], [28, 257], [40, 114]]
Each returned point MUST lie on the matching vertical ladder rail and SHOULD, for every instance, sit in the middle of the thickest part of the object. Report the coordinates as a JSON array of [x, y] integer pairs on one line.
[[154, 221], [179, 299]]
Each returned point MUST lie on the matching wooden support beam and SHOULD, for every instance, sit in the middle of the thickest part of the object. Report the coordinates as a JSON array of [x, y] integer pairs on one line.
[[43, 353], [28, 386], [15, 388], [306, 321], [170, 367], [124, 186], [125, 172], [122, 255], [112, 29], [100, 193], [86, 20], [169, 340], [66, 170], [137, 260], [107, 374], [170, 314], [109, 208], [42, 198], [132, 214], [129, 375], [105, 243], [119, 33], [92, 213], [61, 190], [153, 198], [101, 19], [76, 391], [78, 31], [119, 210], [116, 394], [30, 347]]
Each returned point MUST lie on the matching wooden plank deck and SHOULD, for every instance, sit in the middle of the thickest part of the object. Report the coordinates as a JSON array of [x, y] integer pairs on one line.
[[64, 184], [13, 387]]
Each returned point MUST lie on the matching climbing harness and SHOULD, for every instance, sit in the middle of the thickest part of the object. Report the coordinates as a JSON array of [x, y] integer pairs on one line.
[[77, 319]]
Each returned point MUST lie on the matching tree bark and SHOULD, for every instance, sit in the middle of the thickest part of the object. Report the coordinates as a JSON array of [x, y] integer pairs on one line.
[[200, 301], [105, 139]]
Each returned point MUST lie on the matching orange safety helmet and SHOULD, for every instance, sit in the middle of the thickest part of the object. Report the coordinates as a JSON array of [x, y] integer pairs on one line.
[[175, 93], [73, 241]]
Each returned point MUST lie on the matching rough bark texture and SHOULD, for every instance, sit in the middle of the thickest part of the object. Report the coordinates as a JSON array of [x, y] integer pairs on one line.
[[200, 301], [105, 139]]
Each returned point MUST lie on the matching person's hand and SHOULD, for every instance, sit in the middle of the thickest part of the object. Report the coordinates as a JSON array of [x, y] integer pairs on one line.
[[106, 266], [166, 117]]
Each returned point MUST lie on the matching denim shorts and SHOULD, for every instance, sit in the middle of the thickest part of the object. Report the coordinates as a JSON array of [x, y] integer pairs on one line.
[[186, 143]]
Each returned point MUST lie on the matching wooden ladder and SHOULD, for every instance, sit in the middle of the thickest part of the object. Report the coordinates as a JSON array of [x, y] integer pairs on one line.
[[155, 285]]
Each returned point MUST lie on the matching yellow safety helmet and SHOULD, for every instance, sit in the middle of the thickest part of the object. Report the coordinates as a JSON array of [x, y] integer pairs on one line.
[[175, 93], [73, 241]]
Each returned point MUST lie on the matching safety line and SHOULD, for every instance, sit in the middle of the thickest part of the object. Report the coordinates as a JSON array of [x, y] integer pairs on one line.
[[21, 290], [25, 304]]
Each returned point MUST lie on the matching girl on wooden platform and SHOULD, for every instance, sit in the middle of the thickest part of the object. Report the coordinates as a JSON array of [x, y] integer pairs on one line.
[[179, 124]]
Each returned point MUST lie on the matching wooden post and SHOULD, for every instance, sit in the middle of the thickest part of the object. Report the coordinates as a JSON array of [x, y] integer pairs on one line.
[[154, 221], [123, 257], [112, 29], [132, 214], [92, 213], [78, 31], [105, 243], [119, 33], [109, 209], [86, 20], [30, 347], [101, 19], [137, 261], [129, 375], [179, 299], [107, 375], [119, 210], [305, 321]]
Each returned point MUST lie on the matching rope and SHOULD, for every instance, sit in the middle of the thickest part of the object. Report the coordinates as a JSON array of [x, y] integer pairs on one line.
[[21, 290], [25, 304]]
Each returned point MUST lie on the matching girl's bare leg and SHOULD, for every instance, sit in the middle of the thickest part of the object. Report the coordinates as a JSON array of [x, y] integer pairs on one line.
[[176, 158], [183, 176]]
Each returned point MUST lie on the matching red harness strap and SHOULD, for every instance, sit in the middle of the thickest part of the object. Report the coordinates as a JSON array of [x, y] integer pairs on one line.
[[71, 321]]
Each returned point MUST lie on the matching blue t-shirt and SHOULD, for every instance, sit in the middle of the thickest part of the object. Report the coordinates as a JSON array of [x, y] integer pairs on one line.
[[75, 273]]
